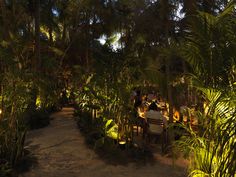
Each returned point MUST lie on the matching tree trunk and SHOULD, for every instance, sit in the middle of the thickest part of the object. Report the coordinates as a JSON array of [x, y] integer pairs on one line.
[[190, 7], [4, 19], [37, 63], [64, 32], [165, 20], [36, 60], [1, 101], [169, 90], [5, 35], [50, 31], [87, 40], [50, 34]]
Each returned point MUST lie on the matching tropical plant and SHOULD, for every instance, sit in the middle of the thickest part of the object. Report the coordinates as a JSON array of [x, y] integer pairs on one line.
[[109, 103], [212, 148], [209, 46]]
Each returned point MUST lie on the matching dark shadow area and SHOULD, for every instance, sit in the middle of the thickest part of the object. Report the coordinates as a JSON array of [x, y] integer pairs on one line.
[[141, 157], [29, 160], [113, 153], [119, 156]]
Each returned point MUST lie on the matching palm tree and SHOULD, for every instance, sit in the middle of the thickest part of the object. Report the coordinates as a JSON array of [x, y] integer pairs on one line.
[[209, 47], [37, 34], [212, 151]]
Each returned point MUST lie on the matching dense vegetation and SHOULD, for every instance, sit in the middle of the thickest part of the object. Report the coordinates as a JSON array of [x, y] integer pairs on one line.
[[97, 51]]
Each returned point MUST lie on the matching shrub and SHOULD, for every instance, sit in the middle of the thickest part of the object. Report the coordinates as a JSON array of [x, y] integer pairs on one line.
[[12, 138], [213, 151]]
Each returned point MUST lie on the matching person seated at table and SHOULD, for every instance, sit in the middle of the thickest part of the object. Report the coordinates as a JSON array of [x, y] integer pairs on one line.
[[151, 96], [155, 113]]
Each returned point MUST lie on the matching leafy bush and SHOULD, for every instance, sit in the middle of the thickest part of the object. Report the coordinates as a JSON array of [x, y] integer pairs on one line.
[[5, 169], [209, 49], [12, 138], [212, 152], [99, 130]]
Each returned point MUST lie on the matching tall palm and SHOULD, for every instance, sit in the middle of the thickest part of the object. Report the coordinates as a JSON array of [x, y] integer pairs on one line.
[[210, 50], [210, 46], [213, 151]]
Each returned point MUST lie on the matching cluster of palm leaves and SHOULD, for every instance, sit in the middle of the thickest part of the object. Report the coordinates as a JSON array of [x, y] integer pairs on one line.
[[212, 148], [209, 47], [210, 50]]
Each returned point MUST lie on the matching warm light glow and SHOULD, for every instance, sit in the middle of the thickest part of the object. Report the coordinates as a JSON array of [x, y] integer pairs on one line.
[[45, 31], [206, 108], [176, 115], [185, 118], [0, 111], [38, 102], [122, 142]]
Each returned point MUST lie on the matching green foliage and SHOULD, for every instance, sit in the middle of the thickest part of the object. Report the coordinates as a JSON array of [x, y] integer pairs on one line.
[[110, 101], [98, 131], [14, 101], [5, 169], [212, 151], [20, 85], [12, 139], [111, 129], [210, 50], [107, 92], [209, 46]]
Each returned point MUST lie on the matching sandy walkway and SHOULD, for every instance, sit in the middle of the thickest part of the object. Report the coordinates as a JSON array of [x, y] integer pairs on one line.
[[60, 151]]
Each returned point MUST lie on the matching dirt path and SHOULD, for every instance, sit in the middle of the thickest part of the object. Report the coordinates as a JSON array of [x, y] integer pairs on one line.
[[60, 151]]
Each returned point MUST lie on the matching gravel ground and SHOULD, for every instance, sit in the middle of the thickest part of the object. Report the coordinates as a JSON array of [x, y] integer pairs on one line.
[[59, 150]]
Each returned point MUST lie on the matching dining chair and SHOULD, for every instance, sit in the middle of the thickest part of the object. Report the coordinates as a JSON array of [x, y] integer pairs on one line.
[[162, 132]]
